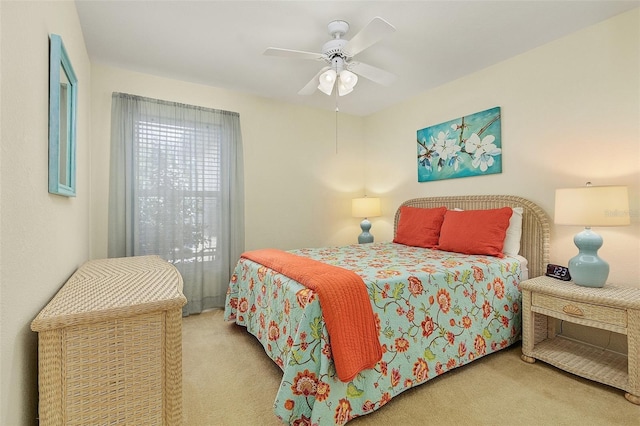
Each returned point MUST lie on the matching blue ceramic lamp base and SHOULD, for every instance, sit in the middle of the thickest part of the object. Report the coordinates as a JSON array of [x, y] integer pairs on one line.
[[365, 237], [586, 268]]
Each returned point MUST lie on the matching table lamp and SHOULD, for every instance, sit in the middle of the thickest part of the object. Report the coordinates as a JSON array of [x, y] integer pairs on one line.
[[591, 206], [365, 207]]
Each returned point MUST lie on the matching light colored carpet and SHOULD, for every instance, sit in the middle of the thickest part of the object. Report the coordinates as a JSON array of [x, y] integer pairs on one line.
[[229, 380]]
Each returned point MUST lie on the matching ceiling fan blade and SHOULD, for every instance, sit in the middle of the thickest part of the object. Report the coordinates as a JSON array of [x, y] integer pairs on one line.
[[288, 53], [312, 85], [372, 73], [375, 31]]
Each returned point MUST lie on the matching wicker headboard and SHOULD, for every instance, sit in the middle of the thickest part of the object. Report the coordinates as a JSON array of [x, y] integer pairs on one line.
[[534, 243]]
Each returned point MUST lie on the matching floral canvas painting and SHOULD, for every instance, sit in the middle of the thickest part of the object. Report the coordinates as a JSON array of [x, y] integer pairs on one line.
[[467, 146]]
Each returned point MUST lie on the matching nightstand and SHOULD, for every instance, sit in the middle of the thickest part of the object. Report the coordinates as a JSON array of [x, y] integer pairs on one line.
[[609, 308]]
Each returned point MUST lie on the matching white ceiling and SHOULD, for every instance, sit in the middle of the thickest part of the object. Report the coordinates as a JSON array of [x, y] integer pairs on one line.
[[220, 43]]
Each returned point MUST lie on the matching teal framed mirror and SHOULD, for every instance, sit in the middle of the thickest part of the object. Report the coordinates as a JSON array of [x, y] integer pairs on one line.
[[63, 97]]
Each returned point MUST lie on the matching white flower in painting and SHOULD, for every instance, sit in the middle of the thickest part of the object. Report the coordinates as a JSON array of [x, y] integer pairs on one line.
[[477, 146], [446, 149], [427, 145], [449, 151], [439, 141], [424, 154], [484, 161], [483, 151]]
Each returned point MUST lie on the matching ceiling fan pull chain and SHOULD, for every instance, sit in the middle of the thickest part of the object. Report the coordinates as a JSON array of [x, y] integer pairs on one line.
[[336, 121]]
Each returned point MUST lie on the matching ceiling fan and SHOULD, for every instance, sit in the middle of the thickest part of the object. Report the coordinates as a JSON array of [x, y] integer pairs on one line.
[[338, 53]]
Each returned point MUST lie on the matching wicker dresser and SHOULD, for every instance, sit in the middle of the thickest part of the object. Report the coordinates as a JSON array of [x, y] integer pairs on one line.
[[110, 345], [608, 308]]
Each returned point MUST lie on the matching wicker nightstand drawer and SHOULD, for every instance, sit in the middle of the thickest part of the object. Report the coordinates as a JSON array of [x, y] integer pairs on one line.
[[572, 308]]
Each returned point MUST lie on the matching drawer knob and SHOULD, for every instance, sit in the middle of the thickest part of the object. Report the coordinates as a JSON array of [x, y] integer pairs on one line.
[[572, 310]]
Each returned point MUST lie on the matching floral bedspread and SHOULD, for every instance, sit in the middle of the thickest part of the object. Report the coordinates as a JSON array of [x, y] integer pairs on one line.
[[434, 311]]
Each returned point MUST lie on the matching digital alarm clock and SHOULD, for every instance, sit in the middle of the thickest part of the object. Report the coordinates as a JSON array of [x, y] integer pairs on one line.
[[558, 272]]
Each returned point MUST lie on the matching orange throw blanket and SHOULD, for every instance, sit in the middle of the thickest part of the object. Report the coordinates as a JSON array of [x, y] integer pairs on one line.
[[345, 306]]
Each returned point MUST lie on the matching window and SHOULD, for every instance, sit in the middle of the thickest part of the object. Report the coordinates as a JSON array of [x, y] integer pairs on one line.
[[176, 191], [178, 165]]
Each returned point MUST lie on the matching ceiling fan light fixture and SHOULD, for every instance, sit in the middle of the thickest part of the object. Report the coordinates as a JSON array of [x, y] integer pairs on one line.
[[338, 53], [348, 81], [348, 78], [326, 81], [343, 89]]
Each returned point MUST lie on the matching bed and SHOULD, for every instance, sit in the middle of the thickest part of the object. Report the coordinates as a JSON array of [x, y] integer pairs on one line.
[[433, 310]]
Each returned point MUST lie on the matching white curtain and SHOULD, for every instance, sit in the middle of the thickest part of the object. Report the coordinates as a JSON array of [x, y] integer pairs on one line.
[[176, 190]]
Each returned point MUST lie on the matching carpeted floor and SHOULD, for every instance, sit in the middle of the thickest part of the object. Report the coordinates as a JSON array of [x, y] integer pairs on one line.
[[229, 380]]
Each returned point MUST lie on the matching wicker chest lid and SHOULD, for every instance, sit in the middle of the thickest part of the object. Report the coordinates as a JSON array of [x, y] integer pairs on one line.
[[107, 289]]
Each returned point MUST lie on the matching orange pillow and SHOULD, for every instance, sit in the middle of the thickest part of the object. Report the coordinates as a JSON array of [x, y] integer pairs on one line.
[[475, 231], [419, 227]]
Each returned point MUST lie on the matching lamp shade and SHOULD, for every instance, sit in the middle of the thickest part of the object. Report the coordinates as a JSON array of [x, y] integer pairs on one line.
[[326, 81], [592, 206], [343, 89], [365, 207], [348, 81]]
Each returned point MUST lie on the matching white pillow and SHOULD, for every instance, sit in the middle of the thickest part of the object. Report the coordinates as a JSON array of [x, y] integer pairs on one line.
[[514, 232]]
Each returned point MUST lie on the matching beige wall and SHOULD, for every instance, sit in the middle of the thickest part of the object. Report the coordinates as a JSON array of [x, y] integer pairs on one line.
[[298, 190], [44, 237], [570, 114]]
